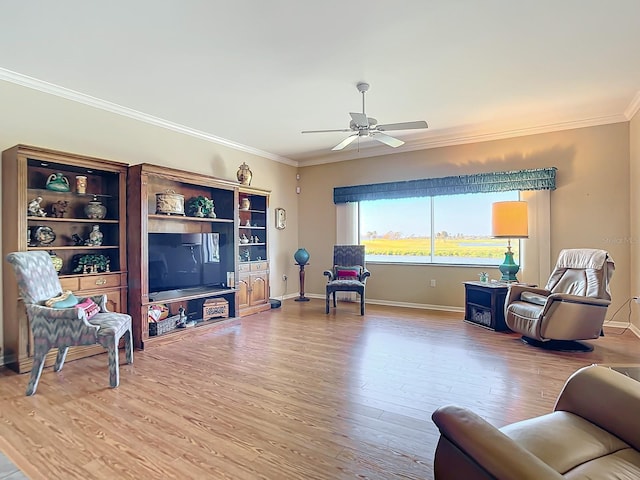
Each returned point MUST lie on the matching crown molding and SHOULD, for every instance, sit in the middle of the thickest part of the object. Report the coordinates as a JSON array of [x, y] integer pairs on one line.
[[633, 107], [433, 139], [52, 89]]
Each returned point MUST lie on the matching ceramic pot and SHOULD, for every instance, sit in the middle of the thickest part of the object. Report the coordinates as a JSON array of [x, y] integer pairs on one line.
[[301, 256], [58, 183], [245, 204], [95, 210], [244, 174], [57, 261]]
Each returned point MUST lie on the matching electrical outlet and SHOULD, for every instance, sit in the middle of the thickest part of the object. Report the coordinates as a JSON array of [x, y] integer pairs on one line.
[[284, 278], [637, 299], [433, 282]]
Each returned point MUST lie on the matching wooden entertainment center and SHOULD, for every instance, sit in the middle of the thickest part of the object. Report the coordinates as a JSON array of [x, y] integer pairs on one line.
[[144, 184], [236, 235]]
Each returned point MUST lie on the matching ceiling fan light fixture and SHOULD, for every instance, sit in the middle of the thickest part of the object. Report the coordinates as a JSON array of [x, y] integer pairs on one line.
[[363, 126]]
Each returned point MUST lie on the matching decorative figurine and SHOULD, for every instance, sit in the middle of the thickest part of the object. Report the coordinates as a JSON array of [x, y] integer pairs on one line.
[[243, 239], [77, 239], [34, 209], [59, 208], [58, 183], [244, 174]]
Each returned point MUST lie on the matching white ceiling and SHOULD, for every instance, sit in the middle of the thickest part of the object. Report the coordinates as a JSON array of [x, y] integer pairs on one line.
[[255, 73]]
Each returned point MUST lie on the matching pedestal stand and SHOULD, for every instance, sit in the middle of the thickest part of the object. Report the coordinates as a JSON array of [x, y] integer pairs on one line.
[[301, 298]]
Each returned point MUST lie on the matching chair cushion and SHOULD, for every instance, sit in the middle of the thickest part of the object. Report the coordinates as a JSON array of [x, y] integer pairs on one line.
[[574, 444], [345, 286], [534, 298], [65, 300]]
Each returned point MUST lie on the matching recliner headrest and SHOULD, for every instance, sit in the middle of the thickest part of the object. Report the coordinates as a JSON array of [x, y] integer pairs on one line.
[[582, 258]]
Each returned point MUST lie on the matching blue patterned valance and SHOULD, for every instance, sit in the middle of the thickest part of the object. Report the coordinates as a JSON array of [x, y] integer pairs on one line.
[[537, 179]]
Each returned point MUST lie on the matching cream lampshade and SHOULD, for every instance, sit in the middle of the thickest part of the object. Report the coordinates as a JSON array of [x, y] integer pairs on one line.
[[509, 220]]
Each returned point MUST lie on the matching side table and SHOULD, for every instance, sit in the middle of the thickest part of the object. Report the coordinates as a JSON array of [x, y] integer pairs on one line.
[[484, 304]]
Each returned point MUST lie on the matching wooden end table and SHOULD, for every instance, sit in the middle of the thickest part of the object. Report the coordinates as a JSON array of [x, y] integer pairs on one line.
[[484, 304]]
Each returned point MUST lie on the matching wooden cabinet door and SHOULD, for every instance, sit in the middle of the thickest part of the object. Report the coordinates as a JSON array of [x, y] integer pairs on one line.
[[243, 291], [259, 290]]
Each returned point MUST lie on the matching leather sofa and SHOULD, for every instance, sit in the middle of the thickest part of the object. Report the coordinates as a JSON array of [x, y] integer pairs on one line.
[[593, 433]]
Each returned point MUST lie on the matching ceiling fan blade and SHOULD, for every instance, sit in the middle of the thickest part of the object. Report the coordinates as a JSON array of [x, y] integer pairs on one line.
[[360, 119], [345, 142], [386, 139], [327, 131], [403, 126]]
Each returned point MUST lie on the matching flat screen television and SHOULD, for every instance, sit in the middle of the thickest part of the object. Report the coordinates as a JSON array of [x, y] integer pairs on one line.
[[179, 261]]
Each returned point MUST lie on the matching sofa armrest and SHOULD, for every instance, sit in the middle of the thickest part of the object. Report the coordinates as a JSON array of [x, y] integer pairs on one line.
[[486, 446], [606, 398]]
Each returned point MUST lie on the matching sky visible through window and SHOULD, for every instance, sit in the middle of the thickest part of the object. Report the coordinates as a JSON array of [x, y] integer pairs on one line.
[[456, 214]]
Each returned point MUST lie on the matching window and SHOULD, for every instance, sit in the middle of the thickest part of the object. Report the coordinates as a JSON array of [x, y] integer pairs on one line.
[[445, 229]]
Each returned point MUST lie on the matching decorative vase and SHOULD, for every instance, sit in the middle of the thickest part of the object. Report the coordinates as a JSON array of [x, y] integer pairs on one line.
[[58, 183], [245, 204], [95, 210], [81, 184], [244, 174], [95, 237], [301, 256], [57, 261]]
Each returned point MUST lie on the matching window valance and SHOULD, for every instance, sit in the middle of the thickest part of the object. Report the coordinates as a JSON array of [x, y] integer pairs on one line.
[[536, 179]]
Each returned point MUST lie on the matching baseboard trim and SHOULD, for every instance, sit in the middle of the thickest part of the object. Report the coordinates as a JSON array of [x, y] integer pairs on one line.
[[387, 303]]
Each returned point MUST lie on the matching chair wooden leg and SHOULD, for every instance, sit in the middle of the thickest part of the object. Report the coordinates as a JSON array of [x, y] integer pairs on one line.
[[39, 354], [362, 304], [326, 309], [114, 370], [334, 300], [60, 358]]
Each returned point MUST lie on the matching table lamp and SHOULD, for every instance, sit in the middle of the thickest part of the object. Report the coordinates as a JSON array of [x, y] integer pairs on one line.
[[509, 220]]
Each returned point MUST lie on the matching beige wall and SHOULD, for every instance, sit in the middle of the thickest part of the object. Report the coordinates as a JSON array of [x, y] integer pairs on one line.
[[34, 118], [634, 215], [589, 208]]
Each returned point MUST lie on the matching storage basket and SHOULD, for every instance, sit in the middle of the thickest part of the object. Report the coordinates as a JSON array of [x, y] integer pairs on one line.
[[215, 308], [163, 326]]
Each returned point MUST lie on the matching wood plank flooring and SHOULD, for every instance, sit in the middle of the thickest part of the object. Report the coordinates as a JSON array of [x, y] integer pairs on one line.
[[287, 394]]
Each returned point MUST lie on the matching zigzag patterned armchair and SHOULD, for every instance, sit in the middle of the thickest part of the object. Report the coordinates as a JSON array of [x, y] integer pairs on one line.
[[348, 274], [61, 327]]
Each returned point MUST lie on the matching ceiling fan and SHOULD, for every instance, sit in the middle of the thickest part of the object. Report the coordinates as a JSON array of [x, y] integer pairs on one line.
[[363, 126]]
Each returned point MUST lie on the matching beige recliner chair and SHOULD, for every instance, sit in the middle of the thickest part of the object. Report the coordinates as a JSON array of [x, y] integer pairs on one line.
[[593, 432], [571, 307]]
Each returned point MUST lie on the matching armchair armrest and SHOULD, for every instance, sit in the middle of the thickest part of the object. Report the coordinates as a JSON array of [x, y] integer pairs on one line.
[[514, 292], [71, 320], [364, 275], [487, 447], [328, 274], [565, 297], [606, 398]]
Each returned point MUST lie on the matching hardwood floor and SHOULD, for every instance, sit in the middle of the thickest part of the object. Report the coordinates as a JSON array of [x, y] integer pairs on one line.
[[287, 394]]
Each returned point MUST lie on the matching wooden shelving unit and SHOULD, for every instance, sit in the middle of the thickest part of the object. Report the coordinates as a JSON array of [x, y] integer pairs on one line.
[[25, 171]]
